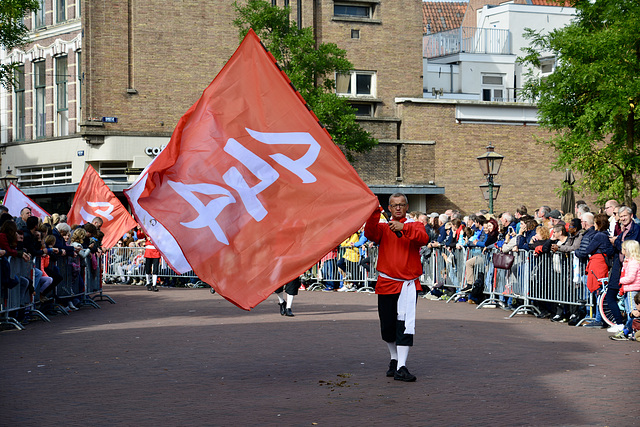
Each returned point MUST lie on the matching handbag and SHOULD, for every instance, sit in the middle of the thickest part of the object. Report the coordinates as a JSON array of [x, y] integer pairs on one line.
[[502, 260]]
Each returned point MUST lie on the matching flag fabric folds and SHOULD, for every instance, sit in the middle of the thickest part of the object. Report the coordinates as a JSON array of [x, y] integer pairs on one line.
[[94, 199], [15, 200], [250, 186]]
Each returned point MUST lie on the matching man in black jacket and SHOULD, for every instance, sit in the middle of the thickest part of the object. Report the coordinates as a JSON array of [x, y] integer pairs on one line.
[[630, 231]]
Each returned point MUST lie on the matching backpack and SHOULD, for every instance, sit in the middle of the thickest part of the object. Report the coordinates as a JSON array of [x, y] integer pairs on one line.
[[477, 290]]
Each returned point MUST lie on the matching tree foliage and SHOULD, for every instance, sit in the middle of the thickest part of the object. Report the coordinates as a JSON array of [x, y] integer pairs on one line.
[[13, 32], [590, 101], [310, 67]]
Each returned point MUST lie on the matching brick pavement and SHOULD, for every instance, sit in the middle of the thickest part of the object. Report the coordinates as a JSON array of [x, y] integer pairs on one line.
[[186, 357]]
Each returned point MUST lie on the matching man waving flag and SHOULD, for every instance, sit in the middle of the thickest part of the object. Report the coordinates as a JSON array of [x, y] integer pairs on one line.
[[94, 199], [251, 187]]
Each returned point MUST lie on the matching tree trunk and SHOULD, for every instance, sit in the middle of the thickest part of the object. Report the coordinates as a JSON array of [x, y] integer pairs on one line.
[[627, 177]]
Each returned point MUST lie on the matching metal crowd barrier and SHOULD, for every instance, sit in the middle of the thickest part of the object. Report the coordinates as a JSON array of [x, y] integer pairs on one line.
[[11, 300], [126, 265], [549, 278], [81, 280], [352, 269], [93, 281], [21, 296]]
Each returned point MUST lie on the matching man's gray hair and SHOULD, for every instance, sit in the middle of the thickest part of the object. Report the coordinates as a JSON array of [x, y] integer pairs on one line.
[[398, 195], [443, 218], [588, 218], [583, 208], [625, 209], [63, 228]]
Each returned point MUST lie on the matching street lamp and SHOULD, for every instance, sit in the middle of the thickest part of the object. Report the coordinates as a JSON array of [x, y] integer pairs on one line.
[[8, 179], [490, 163]]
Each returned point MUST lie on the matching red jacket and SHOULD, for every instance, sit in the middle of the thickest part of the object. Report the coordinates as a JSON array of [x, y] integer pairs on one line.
[[4, 245], [398, 257]]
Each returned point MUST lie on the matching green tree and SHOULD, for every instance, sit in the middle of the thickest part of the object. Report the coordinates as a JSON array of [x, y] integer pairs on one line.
[[311, 69], [590, 101], [13, 33]]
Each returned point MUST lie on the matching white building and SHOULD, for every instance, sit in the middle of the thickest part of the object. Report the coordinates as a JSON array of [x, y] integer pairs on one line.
[[480, 63]]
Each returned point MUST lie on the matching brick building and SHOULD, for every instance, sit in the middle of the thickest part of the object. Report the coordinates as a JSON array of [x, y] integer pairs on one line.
[[134, 68]]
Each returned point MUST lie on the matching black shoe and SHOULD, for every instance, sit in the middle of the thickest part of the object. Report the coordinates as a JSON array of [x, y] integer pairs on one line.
[[403, 374], [283, 308], [287, 312], [544, 315], [393, 365], [574, 319], [557, 318], [155, 289], [149, 288]]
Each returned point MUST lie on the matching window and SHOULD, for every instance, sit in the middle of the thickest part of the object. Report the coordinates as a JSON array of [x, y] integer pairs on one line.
[[353, 10], [356, 84], [355, 34], [113, 171], [62, 101], [35, 176], [363, 109], [547, 66], [19, 118], [39, 76], [493, 87], [39, 15], [61, 11]]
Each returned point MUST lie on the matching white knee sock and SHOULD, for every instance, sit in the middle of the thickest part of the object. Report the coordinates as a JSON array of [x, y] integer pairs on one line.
[[393, 350], [148, 279], [155, 280], [289, 300], [280, 300], [403, 352]]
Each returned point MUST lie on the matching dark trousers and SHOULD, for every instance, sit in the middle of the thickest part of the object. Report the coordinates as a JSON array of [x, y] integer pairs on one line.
[[53, 272], [611, 297], [290, 288], [391, 328]]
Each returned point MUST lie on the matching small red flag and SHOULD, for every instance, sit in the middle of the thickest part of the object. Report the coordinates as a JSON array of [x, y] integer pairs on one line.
[[94, 199], [250, 186]]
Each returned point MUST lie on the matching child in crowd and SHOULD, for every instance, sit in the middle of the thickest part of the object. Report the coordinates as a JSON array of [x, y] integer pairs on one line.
[[630, 285], [631, 329]]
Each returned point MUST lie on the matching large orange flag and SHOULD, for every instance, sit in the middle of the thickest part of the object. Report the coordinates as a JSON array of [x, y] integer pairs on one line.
[[94, 199], [251, 187]]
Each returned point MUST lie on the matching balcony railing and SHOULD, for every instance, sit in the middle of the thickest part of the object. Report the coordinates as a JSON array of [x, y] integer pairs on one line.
[[467, 40]]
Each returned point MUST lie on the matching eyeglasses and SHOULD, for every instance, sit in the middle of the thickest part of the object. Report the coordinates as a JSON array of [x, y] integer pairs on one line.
[[399, 205]]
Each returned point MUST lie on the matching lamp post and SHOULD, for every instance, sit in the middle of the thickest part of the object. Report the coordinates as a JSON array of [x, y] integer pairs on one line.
[[8, 179], [490, 163]]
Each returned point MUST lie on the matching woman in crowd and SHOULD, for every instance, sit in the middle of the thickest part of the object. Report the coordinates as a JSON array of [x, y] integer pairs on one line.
[[594, 248], [9, 244]]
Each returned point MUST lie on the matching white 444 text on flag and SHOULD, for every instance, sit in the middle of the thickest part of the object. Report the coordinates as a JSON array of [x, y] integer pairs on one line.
[[208, 214]]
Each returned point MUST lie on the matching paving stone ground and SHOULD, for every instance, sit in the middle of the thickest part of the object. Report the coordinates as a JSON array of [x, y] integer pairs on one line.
[[185, 357]]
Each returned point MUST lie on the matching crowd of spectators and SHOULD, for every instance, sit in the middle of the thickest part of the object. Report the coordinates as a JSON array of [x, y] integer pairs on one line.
[[42, 243], [605, 240]]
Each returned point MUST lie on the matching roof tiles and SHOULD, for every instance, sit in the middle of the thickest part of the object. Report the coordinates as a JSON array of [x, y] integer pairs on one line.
[[442, 16]]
